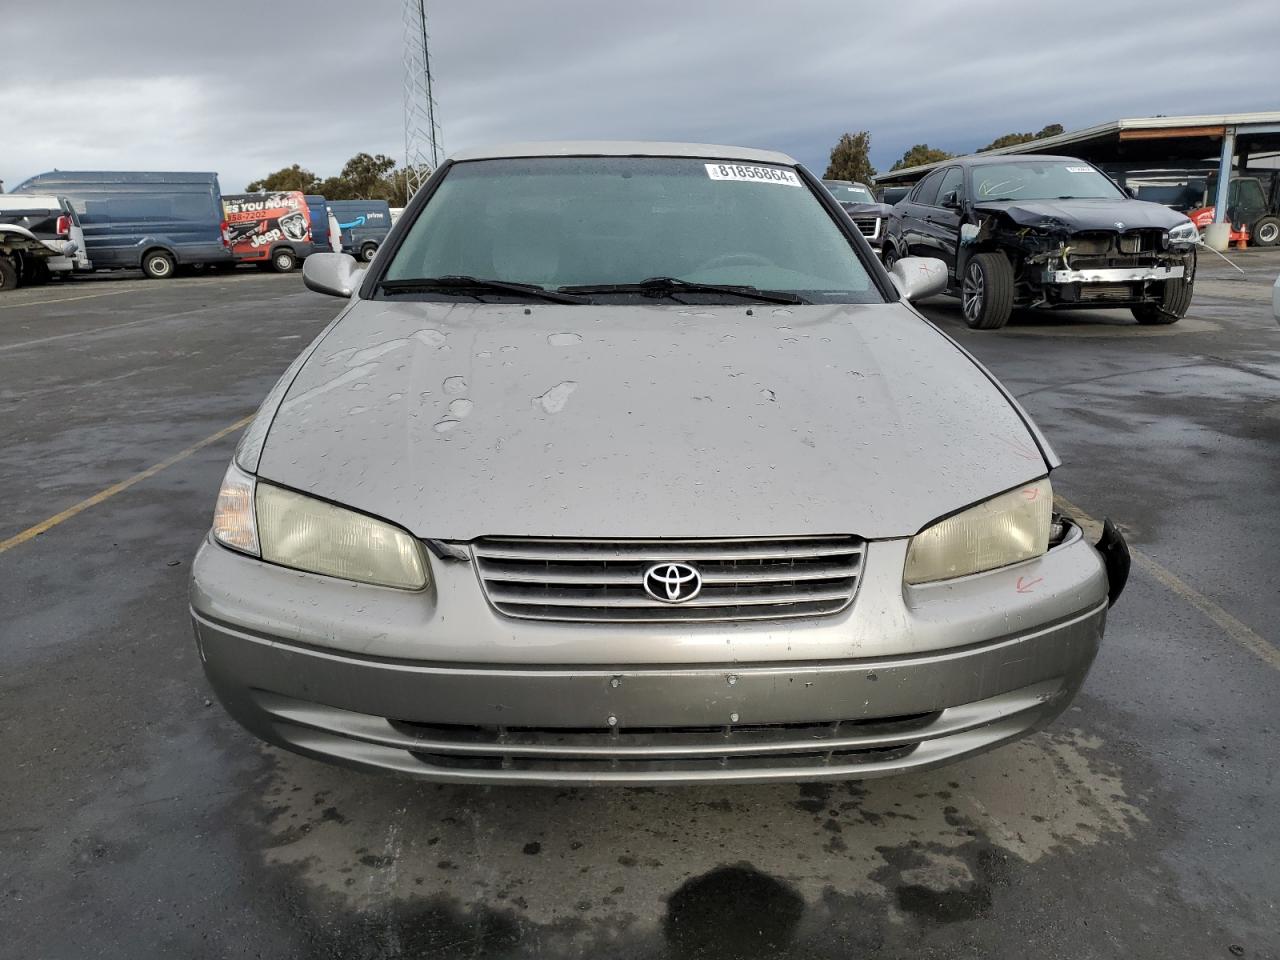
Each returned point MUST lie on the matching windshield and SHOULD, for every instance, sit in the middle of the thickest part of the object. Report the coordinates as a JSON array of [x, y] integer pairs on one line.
[[579, 221], [1042, 180], [847, 192]]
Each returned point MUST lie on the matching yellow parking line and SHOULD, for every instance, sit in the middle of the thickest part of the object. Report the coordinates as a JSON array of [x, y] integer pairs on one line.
[[32, 532], [1239, 632]]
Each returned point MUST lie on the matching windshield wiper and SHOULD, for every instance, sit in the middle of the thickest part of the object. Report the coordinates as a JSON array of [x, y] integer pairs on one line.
[[471, 284], [665, 286]]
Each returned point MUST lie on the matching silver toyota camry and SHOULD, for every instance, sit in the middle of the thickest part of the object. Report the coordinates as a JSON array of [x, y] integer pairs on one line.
[[628, 463]]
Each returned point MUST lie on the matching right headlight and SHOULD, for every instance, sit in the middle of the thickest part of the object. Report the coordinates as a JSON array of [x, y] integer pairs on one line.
[[1008, 528], [1184, 233], [304, 533]]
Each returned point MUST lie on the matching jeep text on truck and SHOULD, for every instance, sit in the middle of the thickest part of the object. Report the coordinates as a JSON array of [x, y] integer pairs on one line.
[[1040, 231]]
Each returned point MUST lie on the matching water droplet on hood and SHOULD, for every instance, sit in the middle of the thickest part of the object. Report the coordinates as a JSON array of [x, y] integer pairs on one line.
[[455, 385], [553, 400], [564, 339]]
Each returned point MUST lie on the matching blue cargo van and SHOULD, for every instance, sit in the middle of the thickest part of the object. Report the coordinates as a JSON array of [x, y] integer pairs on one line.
[[319, 224], [364, 225], [153, 221]]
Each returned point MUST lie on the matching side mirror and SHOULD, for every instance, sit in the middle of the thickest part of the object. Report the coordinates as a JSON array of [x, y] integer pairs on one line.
[[919, 277], [336, 274], [951, 200]]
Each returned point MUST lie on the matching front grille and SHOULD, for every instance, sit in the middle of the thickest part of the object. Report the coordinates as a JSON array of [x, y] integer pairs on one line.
[[1105, 249], [1140, 241], [1090, 244], [595, 581], [1117, 292], [868, 226], [653, 749]]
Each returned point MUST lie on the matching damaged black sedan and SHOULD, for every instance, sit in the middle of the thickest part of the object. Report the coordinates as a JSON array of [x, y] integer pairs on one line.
[[1052, 232]]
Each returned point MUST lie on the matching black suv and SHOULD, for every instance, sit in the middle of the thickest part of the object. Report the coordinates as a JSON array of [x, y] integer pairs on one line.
[[861, 205], [1038, 231]]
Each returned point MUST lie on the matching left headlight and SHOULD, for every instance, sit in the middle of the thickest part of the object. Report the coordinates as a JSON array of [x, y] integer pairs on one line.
[[1184, 233], [304, 533], [1008, 528]]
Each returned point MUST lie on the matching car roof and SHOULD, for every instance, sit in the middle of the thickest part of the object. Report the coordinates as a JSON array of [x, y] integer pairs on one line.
[[1008, 158], [622, 148]]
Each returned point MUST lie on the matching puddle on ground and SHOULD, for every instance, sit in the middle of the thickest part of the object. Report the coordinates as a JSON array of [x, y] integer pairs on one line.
[[928, 845]]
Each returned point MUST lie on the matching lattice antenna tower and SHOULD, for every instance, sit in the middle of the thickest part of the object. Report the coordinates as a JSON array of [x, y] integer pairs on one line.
[[423, 145]]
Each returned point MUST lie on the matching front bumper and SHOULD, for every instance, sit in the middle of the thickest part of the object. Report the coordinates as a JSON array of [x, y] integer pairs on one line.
[[745, 724], [906, 678], [1114, 275]]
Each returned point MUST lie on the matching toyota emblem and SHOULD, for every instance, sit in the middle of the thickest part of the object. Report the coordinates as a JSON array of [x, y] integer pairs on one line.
[[672, 582]]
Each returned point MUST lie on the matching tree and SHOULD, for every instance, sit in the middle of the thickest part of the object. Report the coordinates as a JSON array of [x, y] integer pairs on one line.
[[367, 174], [849, 159], [364, 177], [288, 178], [1012, 139], [919, 154]]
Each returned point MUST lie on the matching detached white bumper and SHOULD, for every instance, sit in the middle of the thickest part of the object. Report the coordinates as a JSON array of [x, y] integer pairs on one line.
[[1113, 275]]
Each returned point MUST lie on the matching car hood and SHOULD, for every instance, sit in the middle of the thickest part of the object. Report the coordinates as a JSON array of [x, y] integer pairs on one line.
[[1082, 215], [463, 420]]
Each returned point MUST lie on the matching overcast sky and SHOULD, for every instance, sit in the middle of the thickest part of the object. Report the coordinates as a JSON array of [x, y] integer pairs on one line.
[[244, 89]]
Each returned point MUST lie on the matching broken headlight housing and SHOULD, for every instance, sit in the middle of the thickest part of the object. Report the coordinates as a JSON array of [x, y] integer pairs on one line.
[[1008, 528], [1184, 234], [294, 530]]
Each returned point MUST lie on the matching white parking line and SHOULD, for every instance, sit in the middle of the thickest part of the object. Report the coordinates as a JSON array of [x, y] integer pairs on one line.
[[108, 327], [87, 296]]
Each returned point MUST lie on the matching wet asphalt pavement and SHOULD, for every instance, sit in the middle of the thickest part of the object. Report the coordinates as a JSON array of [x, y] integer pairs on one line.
[[137, 821]]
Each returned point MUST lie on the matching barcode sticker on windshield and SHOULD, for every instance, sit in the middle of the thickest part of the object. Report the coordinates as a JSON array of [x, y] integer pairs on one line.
[[1079, 169], [739, 171]]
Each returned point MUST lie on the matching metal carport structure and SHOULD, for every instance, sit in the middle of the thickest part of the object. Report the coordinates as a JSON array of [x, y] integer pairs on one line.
[[1190, 141]]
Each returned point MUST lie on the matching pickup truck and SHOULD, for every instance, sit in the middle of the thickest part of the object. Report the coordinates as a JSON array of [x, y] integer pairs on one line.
[[40, 237]]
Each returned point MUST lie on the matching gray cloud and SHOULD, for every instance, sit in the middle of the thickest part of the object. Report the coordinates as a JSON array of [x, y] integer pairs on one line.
[[247, 89]]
